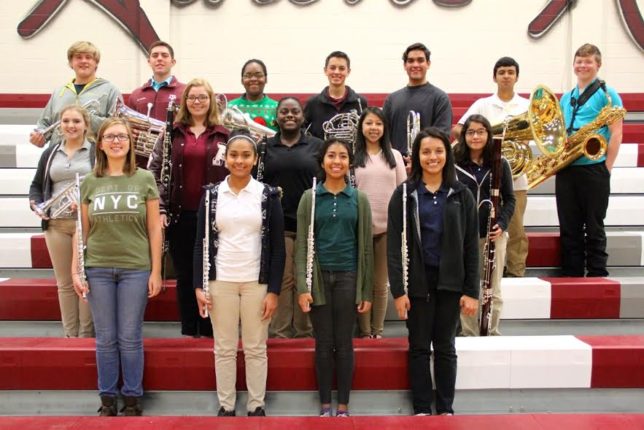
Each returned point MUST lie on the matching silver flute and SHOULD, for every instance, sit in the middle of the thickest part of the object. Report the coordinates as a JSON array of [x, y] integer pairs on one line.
[[61, 204], [80, 243], [206, 253], [310, 241], [404, 249]]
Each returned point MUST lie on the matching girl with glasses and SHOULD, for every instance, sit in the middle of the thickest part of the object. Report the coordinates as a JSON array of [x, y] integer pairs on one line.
[[197, 149], [260, 107], [474, 153], [122, 232]]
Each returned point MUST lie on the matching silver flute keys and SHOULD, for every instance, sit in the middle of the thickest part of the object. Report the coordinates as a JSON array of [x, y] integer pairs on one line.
[[413, 128], [404, 249], [80, 243], [206, 254], [310, 241]]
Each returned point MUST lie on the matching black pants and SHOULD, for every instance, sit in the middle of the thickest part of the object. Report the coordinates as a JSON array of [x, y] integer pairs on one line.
[[182, 238], [582, 200], [333, 325], [433, 323]]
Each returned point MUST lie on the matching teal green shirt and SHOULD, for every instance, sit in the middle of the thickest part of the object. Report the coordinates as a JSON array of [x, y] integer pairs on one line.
[[336, 223], [265, 108]]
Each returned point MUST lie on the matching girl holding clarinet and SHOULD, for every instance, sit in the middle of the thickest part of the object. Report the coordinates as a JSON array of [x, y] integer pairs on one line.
[[238, 272], [334, 261], [432, 255], [474, 155]]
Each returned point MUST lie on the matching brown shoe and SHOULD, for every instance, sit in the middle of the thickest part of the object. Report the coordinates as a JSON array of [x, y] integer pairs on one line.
[[132, 406], [108, 406]]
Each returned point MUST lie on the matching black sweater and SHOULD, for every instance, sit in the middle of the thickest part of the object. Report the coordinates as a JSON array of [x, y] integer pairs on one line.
[[459, 260], [320, 108], [481, 191]]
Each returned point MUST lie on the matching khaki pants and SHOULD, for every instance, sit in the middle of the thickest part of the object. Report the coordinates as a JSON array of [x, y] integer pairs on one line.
[[373, 322], [75, 313], [289, 320], [234, 302], [518, 241], [470, 325]]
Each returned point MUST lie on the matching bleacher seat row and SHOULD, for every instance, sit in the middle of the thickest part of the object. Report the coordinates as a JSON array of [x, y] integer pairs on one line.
[[625, 248], [23, 299]]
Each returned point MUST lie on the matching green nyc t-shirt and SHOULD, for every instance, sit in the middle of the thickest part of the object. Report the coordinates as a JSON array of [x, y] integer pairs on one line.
[[118, 234]]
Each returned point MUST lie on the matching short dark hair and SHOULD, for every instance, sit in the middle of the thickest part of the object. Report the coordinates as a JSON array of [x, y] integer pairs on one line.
[[255, 60], [161, 43], [449, 171], [505, 62], [416, 47], [337, 54]]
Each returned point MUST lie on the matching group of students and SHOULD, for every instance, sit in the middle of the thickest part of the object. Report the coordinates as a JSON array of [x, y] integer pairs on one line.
[[258, 230]]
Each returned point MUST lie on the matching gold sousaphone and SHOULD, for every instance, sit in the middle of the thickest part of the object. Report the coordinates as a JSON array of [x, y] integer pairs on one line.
[[544, 123]]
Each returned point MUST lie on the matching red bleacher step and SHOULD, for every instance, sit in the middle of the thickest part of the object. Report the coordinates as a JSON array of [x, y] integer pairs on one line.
[[459, 422], [188, 364]]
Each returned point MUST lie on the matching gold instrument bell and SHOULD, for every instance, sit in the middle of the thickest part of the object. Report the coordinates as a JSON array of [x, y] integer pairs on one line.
[[544, 123]]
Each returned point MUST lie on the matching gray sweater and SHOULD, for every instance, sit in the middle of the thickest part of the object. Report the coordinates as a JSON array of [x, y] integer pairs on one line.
[[431, 102], [101, 90]]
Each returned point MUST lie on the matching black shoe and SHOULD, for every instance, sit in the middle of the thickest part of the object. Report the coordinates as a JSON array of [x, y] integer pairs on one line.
[[258, 412], [132, 407], [224, 413], [108, 407]]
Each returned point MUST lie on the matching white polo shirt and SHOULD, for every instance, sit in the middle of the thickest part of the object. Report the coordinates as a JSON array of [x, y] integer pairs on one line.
[[496, 110], [239, 221]]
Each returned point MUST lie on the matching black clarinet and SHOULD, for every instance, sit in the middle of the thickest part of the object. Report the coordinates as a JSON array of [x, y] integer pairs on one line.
[[166, 165], [489, 251]]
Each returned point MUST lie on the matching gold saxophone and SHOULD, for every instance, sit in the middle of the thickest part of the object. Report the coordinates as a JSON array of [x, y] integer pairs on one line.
[[544, 123], [586, 141]]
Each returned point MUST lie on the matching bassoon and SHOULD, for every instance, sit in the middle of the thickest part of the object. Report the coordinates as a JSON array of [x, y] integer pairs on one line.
[[489, 251]]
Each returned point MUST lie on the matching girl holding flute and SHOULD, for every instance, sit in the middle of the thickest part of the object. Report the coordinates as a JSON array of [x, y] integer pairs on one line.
[[122, 230], [439, 237], [334, 262], [244, 263]]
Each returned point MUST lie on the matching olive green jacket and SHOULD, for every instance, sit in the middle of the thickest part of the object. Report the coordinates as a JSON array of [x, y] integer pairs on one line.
[[364, 274]]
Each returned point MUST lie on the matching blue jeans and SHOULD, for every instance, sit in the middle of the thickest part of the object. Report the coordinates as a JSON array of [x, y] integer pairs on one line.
[[118, 298]]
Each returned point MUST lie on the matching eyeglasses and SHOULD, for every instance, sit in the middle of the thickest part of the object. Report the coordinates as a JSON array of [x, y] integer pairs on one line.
[[202, 98], [112, 137], [481, 132], [257, 75]]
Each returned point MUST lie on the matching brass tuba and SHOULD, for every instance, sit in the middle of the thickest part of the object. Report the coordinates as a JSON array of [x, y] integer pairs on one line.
[[543, 122], [147, 132]]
